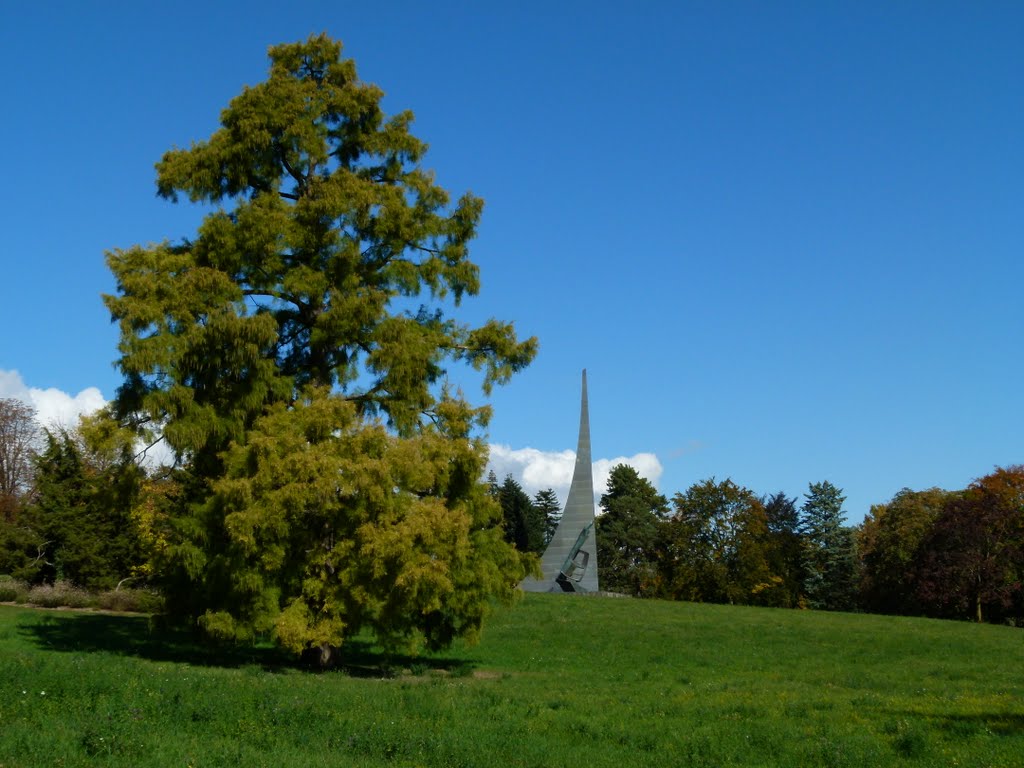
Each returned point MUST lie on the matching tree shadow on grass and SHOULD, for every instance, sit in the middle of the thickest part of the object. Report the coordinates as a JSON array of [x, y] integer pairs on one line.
[[967, 725], [997, 723], [142, 637]]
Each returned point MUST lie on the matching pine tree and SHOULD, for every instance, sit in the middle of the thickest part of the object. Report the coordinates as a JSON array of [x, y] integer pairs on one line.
[[629, 533], [523, 527], [549, 510], [492, 484], [81, 513], [829, 557]]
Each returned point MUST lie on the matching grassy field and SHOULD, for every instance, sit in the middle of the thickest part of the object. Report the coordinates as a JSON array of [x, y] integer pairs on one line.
[[557, 681]]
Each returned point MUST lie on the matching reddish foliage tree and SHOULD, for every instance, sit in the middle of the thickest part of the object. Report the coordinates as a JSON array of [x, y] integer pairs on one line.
[[972, 562]]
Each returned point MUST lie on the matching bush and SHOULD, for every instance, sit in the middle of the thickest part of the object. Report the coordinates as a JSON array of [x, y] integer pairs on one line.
[[12, 590], [60, 594], [133, 600], [64, 594]]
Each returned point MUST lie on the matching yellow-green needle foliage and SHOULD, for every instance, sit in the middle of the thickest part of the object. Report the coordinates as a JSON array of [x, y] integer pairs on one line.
[[294, 355]]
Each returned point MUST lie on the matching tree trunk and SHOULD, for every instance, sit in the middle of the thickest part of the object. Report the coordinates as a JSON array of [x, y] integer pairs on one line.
[[323, 656]]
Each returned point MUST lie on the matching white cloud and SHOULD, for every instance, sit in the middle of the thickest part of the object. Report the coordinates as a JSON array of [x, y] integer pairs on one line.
[[53, 407], [646, 465], [534, 469], [538, 470]]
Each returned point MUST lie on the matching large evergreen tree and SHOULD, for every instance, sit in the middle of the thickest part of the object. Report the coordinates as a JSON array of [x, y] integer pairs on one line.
[[294, 356], [548, 509], [81, 513], [629, 533], [829, 561], [523, 524]]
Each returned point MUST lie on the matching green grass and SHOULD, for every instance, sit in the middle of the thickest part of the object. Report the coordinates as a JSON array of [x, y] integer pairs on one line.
[[557, 681]]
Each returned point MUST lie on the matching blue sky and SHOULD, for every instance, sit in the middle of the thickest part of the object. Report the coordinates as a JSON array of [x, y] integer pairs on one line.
[[785, 239]]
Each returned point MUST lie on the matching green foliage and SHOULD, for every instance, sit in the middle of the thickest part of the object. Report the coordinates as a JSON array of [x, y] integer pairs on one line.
[[331, 220], [717, 546], [629, 533], [22, 549], [79, 522], [294, 355], [785, 548], [331, 525], [548, 509], [523, 523], [829, 562], [890, 545], [701, 684]]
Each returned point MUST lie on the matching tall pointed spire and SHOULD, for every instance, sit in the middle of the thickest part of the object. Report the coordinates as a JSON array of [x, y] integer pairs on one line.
[[569, 564]]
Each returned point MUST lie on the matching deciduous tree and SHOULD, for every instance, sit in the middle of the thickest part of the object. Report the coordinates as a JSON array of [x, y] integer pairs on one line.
[[716, 546], [889, 544], [972, 560], [784, 549], [294, 355], [19, 436]]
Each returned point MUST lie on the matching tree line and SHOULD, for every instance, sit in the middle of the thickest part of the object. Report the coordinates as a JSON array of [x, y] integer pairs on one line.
[[77, 505], [948, 554]]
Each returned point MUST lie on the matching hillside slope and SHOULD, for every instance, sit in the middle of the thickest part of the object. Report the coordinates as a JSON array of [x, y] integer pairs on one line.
[[556, 681]]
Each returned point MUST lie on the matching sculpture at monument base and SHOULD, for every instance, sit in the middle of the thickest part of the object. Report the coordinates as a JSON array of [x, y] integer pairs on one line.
[[569, 564]]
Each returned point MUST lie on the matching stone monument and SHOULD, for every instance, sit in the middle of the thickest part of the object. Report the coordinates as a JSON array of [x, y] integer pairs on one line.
[[569, 563]]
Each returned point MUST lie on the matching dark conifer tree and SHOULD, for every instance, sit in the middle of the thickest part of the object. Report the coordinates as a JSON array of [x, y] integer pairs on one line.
[[829, 559], [549, 510], [629, 533], [82, 513], [523, 528], [784, 550]]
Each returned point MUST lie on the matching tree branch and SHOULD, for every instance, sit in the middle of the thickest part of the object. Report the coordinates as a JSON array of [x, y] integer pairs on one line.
[[425, 249], [144, 451], [122, 581], [41, 552], [300, 180]]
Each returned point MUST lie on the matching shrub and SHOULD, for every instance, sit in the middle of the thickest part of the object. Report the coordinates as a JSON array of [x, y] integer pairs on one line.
[[64, 594], [60, 594], [12, 589], [133, 600]]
